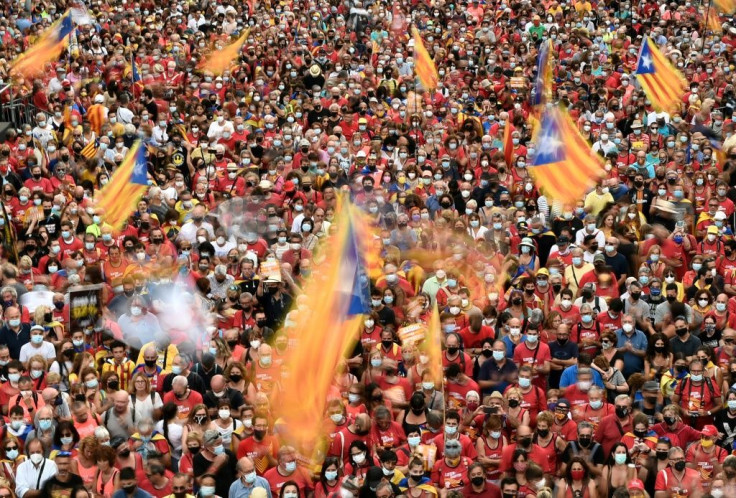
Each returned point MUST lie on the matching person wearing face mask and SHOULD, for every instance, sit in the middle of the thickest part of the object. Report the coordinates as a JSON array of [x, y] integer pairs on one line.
[[584, 447], [706, 456], [677, 479], [416, 483], [139, 322], [524, 442], [216, 460], [34, 472], [451, 472], [726, 419], [497, 372], [632, 344], [535, 354], [698, 396]]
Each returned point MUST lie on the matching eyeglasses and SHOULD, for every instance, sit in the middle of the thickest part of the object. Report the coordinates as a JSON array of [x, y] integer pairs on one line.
[[11, 448]]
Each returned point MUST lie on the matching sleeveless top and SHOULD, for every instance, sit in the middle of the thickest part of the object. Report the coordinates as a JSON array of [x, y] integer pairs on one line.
[[106, 488]]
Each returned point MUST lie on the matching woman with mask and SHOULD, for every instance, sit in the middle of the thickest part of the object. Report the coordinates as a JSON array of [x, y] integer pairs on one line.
[[415, 417], [577, 481], [616, 472], [360, 461], [490, 445], [11, 458], [198, 421], [329, 478]]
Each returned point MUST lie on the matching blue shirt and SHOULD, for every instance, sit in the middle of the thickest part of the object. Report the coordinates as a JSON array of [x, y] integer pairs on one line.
[[632, 362], [240, 490], [570, 377]]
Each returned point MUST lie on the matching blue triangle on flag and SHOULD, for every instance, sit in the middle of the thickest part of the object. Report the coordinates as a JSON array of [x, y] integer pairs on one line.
[[645, 65], [550, 148], [66, 26], [360, 296], [140, 170]]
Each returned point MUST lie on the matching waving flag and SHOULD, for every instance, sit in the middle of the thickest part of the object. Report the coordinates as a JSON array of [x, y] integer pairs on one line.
[[543, 82], [564, 166], [119, 197], [432, 347], [725, 6], [423, 64], [328, 318], [47, 48], [713, 22], [508, 144], [219, 61], [663, 84]]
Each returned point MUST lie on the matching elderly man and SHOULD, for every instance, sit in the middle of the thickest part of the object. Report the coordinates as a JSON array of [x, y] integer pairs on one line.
[[216, 460], [33, 473], [248, 481], [119, 418], [184, 398], [288, 470], [218, 390]]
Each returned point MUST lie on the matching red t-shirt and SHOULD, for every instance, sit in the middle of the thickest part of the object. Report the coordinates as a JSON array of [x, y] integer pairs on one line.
[[451, 478], [533, 357], [475, 340], [688, 486], [276, 480], [183, 406], [391, 438], [258, 451]]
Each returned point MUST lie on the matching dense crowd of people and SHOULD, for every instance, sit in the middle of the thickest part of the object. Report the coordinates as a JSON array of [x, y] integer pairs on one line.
[[587, 348]]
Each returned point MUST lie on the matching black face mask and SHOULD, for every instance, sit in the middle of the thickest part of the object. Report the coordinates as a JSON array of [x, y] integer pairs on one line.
[[236, 378], [681, 332], [525, 442], [232, 344], [113, 384], [587, 294], [125, 454], [129, 490], [635, 295], [478, 480], [670, 420], [556, 288], [194, 449], [69, 353], [516, 301], [513, 403], [150, 363], [452, 350], [543, 432], [621, 412], [387, 344], [584, 441], [663, 455], [640, 434], [259, 434], [487, 353], [679, 466]]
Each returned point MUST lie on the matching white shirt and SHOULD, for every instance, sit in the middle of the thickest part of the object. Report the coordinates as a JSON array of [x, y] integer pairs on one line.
[[188, 231], [46, 349], [27, 476]]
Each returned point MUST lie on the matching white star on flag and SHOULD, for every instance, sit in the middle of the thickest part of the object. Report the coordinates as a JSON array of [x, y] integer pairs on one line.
[[646, 61]]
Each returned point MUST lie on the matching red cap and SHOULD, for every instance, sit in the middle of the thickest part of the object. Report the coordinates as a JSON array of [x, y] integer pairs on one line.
[[289, 186], [635, 484], [710, 431]]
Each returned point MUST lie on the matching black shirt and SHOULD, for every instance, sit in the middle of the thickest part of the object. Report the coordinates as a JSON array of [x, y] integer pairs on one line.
[[225, 474], [54, 487]]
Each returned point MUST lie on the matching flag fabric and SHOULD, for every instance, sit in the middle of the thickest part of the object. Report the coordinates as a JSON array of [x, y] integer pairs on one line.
[[713, 22], [128, 183], [564, 166], [508, 144], [663, 84], [543, 82], [89, 150], [218, 61], [47, 48], [424, 66], [432, 347], [134, 70], [725, 6], [325, 326]]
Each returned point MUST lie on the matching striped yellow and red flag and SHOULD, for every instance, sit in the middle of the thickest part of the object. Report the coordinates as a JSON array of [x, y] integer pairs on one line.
[[663, 84], [432, 346], [564, 166], [219, 61], [725, 6], [89, 150], [713, 22], [508, 144], [424, 66], [328, 318], [47, 48], [128, 183]]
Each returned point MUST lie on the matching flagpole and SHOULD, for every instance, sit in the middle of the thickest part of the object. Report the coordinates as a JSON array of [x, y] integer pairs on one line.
[[705, 28]]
